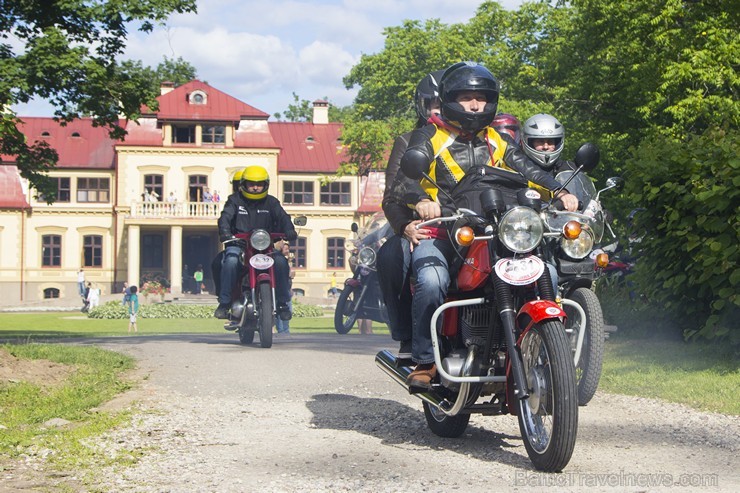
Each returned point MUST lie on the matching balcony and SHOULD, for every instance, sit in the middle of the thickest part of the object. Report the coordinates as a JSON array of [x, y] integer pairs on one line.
[[177, 210]]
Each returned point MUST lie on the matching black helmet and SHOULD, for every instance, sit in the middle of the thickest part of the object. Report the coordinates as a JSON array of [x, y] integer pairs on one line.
[[427, 93], [468, 76]]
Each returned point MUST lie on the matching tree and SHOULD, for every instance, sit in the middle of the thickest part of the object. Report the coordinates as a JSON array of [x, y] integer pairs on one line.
[[67, 55]]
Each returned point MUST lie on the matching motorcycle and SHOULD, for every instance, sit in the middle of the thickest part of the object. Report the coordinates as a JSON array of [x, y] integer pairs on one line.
[[254, 307], [360, 297], [578, 264], [501, 346]]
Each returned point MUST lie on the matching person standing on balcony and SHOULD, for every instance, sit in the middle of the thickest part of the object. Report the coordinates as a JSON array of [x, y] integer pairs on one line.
[[207, 195]]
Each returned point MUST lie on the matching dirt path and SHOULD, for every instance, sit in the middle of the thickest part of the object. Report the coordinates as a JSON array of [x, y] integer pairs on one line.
[[314, 413]]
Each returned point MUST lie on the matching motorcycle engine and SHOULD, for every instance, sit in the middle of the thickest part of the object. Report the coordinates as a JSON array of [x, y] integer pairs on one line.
[[237, 308]]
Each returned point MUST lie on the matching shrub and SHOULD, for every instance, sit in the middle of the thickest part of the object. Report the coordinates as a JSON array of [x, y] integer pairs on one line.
[[114, 310], [302, 310], [689, 260]]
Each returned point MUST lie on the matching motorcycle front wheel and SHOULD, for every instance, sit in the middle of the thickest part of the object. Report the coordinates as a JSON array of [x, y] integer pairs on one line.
[[345, 313], [265, 321], [548, 418], [588, 367]]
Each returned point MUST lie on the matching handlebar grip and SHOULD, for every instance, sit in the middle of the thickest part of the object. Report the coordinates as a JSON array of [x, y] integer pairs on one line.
[[558, 205]]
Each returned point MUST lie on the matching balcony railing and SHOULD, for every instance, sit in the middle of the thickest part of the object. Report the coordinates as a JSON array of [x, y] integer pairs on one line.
[[188, 210]]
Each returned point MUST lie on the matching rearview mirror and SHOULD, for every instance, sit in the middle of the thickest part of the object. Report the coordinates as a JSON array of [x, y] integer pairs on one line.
[[300, 221], [615, 182], [588, 156], [414, 164], [354, 228]]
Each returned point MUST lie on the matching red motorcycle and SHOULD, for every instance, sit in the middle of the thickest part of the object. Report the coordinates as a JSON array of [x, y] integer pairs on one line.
[[499, 340], [253, 308]]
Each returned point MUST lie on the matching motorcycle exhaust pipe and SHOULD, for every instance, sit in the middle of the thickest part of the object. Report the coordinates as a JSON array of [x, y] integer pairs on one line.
[[388, 362]]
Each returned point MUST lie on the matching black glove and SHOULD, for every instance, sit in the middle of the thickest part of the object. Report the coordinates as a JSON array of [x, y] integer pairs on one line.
[[224, 238]]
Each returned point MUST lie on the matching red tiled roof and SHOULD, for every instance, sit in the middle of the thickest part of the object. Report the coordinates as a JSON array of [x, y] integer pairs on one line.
[[11, 191], [218, 107], [79, 144], [372, 188], [308, 147]]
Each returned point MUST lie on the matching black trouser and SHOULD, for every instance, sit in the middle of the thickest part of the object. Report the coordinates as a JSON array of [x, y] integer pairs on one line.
[[393, 276]]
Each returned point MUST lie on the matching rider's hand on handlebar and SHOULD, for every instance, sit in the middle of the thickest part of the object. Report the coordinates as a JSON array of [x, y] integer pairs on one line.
[[428, 209], [225, 238], [570, 201]]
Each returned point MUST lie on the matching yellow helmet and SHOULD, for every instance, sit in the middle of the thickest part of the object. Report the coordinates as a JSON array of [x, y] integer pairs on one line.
[[252, 175], [236, 180]]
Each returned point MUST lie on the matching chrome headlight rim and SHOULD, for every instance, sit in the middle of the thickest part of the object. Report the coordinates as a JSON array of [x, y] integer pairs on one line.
[[578, 248], [260, 239], [367, 256], [521, 229]]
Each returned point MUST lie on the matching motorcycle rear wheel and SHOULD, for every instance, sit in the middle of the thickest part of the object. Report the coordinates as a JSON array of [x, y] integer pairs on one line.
[[548, 418], [265, 321], [345, 313], [443, 425], [588, 368]]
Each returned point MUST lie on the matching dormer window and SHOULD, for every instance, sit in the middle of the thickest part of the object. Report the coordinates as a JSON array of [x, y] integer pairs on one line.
[[310, 139], [75, 134], [198, 97], [45, 134]]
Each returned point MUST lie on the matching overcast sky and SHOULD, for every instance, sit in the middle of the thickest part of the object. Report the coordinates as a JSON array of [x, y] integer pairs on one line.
[[262, 51]]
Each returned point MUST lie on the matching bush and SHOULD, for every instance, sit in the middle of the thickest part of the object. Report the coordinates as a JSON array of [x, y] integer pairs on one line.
[[689, 260], [114, 310]]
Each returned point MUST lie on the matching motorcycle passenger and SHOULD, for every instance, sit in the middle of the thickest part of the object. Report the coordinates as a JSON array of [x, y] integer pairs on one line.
[[508, 123], [394, 256], [236, 180], [248, 209], [447, 148]]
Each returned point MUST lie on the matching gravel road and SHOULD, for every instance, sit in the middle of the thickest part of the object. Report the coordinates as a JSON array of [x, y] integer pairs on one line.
[[314, 413]]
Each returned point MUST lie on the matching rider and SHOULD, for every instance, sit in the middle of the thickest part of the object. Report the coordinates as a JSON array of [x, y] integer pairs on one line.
[[394, 256], [447, 148], [246, 210], [505, 122], [236, 180], [543, 142]]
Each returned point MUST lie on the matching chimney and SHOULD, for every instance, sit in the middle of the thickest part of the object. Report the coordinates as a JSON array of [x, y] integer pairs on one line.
[[165, 87], [320, 112]]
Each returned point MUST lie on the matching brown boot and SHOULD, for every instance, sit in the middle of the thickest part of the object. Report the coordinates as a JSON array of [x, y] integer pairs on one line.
[[420, 380]]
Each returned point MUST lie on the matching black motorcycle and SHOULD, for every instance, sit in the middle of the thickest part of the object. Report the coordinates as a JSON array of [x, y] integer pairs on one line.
[[361, 297]]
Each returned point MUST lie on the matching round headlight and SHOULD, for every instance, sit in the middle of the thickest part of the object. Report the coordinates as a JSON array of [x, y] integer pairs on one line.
[[580, 247], [259, 239], [520, 230], [366, 256]]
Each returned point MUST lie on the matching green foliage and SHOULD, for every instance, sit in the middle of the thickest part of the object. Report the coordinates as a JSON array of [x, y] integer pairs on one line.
[[301, 310], [66, 52], [689, 261]]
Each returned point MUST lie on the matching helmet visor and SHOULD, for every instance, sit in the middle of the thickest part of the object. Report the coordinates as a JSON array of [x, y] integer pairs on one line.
[[253, 187]]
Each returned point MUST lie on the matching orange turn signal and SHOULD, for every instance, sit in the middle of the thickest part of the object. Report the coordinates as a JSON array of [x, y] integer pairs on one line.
[[572, 230], [464, 236], [602, 260]]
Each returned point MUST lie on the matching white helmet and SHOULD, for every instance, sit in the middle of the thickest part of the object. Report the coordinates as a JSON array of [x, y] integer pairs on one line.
[[543, 126]]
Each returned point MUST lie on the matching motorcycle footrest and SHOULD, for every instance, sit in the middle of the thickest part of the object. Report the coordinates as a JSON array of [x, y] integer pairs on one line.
[[231, 326]]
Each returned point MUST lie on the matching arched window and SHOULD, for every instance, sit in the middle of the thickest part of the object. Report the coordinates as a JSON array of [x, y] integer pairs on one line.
[[50, 293]]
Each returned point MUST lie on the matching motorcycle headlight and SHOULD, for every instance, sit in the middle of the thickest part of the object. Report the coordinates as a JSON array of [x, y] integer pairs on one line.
[[259, 239], [520, 230], [367, 256], [580, 247]]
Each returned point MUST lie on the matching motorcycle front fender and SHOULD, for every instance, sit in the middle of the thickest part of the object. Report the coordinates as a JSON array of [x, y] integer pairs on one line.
[[353, 282], [534, 312]]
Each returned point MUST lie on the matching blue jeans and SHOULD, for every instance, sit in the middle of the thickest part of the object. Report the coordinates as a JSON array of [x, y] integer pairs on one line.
[[430, 265], [394, 260], [231, 270], [283, 326]]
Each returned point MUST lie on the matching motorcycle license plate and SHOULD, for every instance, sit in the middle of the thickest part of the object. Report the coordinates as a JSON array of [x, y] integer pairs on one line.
[[520, 271], [261, 262]]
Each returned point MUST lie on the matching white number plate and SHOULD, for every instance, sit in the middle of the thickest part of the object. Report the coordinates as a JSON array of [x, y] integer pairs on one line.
[[261, 262], [520, 271]]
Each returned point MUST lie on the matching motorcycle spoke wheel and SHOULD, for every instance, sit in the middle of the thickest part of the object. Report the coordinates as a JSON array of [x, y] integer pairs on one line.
[[443, 425], [345, 313], [265, 321], [548, 419], [588, 367]]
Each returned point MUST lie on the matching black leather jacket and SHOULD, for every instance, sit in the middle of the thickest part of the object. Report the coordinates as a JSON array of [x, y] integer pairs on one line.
[[241, 216], [401, 193], [452, 155]]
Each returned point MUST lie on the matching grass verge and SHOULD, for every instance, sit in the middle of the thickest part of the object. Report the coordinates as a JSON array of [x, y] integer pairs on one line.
[[69, 387]]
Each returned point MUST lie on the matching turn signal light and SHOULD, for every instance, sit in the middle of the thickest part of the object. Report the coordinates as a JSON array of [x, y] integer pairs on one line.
[[572, 230], [464, 236], [602, 260]]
